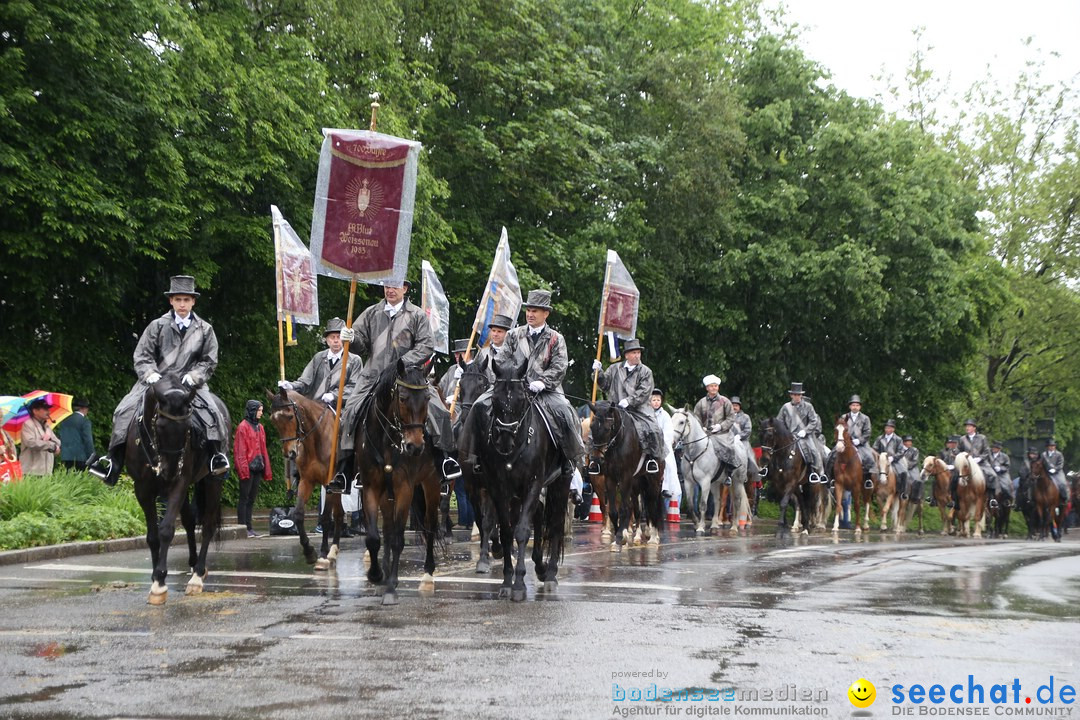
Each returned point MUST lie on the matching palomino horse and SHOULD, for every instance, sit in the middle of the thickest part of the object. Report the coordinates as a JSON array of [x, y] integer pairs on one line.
[[936, 472], [393, 458], [307, 433], [848, 477], [703, 470], [1047, 502], [885, 491], [633, 495], [787, 469], [970, 493], [526, 481], [472, 384], [165, 458]]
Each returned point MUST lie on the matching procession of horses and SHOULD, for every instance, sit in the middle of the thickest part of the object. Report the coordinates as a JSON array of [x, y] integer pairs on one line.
[[517, 486]]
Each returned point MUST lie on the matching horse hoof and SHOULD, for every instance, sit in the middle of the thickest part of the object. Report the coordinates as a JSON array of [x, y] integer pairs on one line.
[[158, 594], [504, 592], [517, 595], [390, 598], [332, 555], [605, 536], [699, 531], [483, 566], [322, 564], [654, 540], [194, 586], [427, 585], [858, 530], [614, 547], [551, 585]]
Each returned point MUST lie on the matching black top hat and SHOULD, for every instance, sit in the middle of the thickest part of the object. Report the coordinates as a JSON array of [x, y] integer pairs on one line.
[[334, 325], [182, 285], [890, 423], [736, 401], [631, 344], [657, 391], [854, 399], [1050, 442], [538, 299], [908, 438], [501, 321], [80, 403], [38, 402], [461, 345], [796, 389]]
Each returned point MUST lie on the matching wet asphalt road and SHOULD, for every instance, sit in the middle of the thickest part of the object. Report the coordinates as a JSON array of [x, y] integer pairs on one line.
[[752, 623]]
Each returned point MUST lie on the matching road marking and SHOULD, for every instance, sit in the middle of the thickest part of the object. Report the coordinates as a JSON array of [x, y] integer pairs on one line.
[[142, 571]]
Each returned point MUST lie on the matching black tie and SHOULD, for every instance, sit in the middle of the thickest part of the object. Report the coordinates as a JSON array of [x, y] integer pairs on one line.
[[333, 363]]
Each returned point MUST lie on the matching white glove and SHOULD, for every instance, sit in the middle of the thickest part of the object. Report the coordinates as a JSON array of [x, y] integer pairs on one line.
[[624, 403], [536, 386], [597, 366], [997, 468], [801, 434], [285, 384], [188, 380], [152, 377], [951, 467], [348, 335], [857, 442], [715, 428], [458, 372], [328, 397], [1053, 470], [890, 459]]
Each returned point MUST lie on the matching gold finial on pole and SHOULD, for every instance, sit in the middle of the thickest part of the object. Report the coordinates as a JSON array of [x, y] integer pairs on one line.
[[374, 112]]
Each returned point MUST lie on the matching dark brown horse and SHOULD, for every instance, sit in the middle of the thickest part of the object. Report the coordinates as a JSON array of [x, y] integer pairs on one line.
[[1047, 502], [166, 459], [787, 471], [848, 477], [472, 384], [307, 433], [633, 495], [393, 458]]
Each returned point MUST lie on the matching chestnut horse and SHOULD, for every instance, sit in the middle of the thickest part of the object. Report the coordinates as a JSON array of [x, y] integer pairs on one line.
[[307, 432], [937, 473], [393, 458], [971, 495], [788, 471], [1047, 502], [884, 490], [848, 477]]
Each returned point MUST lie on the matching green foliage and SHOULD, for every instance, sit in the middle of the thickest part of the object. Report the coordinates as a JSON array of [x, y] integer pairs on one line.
[[31, 529], [99, 522], [32, 494]]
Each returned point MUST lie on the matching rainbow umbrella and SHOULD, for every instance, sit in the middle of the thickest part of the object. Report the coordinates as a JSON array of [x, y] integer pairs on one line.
[[60, 409]]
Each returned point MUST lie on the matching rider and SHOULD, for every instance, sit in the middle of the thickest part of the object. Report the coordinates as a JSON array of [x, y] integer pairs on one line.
[[974, 444], [1055, 466], [1024, 496], [745, 426], [914, 467], [801, 418], [183, 343], [671, 486], [948, 456], [999, 463], [858, 426], [544, 351], [448, 381], [497, 330], [890, 444], [390, 330], [629, 384], [714, 411]]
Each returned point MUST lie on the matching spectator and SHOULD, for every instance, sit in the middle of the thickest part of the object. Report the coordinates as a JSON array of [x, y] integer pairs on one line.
[[40, 445], [252, 462], [75, 437]]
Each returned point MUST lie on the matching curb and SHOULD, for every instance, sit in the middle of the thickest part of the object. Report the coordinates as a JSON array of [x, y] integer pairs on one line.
[[97, 547]]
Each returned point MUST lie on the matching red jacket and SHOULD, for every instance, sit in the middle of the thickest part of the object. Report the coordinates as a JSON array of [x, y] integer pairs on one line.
[[250, 441]]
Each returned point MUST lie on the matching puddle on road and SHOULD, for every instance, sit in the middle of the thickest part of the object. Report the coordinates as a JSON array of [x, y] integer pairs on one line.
[[52, 650], [45, 693]]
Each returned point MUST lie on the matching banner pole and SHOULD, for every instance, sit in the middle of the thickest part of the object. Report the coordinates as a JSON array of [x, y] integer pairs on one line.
[[457, 386], [278, 282], [603, 319], [345, 354]]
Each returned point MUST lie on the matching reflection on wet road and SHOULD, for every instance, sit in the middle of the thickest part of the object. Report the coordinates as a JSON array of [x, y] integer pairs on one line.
[[738, 614]]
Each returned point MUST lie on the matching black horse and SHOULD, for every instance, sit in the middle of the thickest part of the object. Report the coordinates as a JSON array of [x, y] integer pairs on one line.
[[786, 470], [525, 479], [473, 383], [615, 445], [393, 458], [166, 456]]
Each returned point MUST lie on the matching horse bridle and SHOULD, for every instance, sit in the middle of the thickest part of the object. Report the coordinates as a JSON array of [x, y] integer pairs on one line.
[[301, 432], [498, 426], [603, 448], [392, 426]]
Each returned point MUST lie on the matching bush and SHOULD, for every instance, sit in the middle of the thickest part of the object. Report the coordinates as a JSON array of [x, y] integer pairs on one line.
[[33, 494], [30, 529], [96, 522]]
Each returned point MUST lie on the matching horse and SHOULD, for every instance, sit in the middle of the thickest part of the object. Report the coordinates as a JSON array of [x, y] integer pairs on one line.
[[970, 493], [307, 436], [703, 470], [616, 446], [523, 464], [784, 463], [393, 458], [847, 477], [937, 472], [165, 458], [999, 513], [1047, 501], [884, 490], [473, 383], [907, 508], [598, 481]]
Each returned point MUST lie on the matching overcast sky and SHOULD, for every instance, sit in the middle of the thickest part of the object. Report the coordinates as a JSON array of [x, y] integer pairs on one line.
[[858, 39]]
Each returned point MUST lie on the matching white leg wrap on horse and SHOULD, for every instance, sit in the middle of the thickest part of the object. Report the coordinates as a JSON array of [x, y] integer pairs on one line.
[[332, 555], [427, 584], [195, 585]]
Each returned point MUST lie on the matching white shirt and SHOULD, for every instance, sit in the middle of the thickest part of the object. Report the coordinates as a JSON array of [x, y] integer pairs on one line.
[[392, 310], [533, 332], [332, 359], [182, 322]]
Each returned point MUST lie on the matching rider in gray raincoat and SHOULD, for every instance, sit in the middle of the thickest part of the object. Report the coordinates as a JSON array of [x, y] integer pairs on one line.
[[629, 384]]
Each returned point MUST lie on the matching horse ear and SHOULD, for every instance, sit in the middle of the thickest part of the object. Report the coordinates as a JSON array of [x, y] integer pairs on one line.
[[592, 408], [461, 362], [401, 367]]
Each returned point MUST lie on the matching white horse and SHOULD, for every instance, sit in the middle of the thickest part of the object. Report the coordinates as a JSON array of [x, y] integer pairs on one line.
[[701, 468]]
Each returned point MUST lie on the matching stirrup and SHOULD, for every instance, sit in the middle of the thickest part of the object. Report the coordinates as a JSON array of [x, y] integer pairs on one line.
[[337, 485], [450, 469], [651, 466], [868, 484], [993, 504], [814, 478], [219, 464], [594, 467], [103, 467], [575, 497], [444, 488]]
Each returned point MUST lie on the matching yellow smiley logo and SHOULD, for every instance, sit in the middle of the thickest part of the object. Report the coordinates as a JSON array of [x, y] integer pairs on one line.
[[862, 693]]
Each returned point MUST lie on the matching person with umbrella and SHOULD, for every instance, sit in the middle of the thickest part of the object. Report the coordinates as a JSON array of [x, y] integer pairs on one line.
[[41, 447]]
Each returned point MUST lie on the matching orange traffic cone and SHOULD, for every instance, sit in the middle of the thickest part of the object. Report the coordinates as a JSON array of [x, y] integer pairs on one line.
[[595, 514], [673, 511]]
